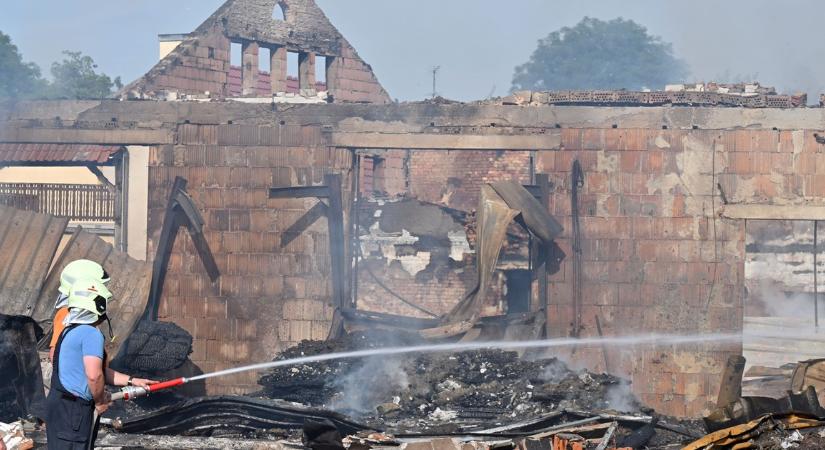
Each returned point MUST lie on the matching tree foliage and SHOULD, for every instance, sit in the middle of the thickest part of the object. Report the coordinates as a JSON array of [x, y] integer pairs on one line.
[[597, 54], [73, 78], [18, 79]]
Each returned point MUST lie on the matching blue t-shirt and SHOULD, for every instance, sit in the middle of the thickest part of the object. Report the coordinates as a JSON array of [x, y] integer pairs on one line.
[[84, 340]]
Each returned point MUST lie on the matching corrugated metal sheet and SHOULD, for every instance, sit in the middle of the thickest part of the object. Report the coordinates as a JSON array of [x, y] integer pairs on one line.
[[57, 153], [28, 242], [130, 285]]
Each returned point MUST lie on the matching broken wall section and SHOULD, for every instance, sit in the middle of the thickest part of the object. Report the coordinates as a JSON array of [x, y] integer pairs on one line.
[[200, 67], [275, 287], [417, 229]]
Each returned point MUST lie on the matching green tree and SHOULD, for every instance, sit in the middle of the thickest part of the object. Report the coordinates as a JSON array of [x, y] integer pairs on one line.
[[75, 78], [597, 54], [18, 79]]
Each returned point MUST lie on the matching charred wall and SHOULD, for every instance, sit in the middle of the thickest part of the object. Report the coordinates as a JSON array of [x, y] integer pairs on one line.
[[274, 289], [417, 227], [659, 254]]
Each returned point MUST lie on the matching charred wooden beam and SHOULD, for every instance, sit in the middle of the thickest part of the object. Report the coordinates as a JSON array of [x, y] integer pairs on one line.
[[180, 211], [300, 192], [331, 191]]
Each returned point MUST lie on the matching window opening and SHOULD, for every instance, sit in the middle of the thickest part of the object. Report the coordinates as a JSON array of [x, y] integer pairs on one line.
[[279, 12], [264, 60], [321, 72]]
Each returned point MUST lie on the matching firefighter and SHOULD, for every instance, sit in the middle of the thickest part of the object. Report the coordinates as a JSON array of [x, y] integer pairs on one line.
[[75, 270], [80, 372]]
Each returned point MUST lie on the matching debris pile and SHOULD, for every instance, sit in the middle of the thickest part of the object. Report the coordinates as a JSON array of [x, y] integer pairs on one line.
[[734, 96], [439, 390], [746, 89], [13, 437]]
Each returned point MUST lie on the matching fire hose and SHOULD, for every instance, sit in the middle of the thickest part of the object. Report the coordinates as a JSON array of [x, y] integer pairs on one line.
[[132, 392]]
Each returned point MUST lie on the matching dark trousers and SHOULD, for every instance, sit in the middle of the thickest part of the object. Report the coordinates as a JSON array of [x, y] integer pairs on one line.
[[69, 425]]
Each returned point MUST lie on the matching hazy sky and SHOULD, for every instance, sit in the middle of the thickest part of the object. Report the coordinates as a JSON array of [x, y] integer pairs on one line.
[[477, 43]]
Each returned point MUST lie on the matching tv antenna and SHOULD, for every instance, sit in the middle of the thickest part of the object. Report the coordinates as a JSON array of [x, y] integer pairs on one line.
[[435, 76]]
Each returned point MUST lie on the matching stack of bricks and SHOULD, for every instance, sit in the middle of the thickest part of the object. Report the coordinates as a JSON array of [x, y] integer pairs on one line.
[[656, 256], [275, 288]]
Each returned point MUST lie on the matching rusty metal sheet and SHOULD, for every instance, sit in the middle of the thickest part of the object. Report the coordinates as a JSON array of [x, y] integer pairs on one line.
[[494, 216], [130, 280], [11, 154], [500, 204], [535, 215], [28, 242]]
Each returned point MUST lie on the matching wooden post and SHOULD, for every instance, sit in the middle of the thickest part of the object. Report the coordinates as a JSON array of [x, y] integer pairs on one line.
[[337, 243], [731, 388], [543, 180]]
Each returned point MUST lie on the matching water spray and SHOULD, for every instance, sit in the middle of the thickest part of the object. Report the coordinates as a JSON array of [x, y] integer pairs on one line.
[[132, 392]]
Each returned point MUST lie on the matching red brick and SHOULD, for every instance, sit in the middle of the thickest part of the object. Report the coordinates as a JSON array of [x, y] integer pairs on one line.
[[597, 183], [652, 161], [600, 294], [630, 161], [646, 250]]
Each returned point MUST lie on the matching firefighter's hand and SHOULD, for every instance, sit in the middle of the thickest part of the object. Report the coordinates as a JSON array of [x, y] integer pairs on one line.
[[101, 408], [143, 382]]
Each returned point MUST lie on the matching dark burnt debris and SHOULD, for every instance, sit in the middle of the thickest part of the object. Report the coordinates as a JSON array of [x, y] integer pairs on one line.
[[442, 391], [485, 392]]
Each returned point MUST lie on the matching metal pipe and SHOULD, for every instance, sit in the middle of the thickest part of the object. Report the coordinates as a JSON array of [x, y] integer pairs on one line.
[[816, 286]]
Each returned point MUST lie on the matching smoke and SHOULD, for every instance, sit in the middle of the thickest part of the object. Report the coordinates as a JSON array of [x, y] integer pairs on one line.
[[555, 372], [376, 381], [620, 398], [775, 303]]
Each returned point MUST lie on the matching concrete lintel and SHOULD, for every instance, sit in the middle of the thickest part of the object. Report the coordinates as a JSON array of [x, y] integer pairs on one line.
[[452, 142], [77, 136], [774, 212]]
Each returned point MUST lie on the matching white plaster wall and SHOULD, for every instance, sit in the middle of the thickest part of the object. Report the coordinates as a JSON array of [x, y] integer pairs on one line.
[[166, 48], [62, 175], [138, 202]]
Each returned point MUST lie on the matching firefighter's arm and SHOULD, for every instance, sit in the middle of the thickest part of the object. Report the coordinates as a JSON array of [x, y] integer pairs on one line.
[[93, 366], [116, 378]]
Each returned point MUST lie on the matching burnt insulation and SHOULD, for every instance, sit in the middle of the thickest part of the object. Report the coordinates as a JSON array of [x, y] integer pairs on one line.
[[154, 348], [21, 382]]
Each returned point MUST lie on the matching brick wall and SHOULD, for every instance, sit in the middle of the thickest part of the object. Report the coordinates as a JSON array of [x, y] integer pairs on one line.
[[454, 178], [198, 66], [271, 294], [656, 258], [201, 63]]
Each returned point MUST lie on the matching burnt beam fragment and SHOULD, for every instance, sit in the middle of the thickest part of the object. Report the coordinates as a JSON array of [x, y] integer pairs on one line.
[[300, 192], [180, 211], [316, 212], [331, 191]]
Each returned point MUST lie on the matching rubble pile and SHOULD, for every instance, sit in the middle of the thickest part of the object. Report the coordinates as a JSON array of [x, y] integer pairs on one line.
[[432, 390]]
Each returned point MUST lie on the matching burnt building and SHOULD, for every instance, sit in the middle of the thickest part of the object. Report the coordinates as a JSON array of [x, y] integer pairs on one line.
[[654, 191]]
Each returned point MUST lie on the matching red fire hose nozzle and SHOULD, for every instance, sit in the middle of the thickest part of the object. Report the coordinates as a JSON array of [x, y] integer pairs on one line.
[[132, 392]]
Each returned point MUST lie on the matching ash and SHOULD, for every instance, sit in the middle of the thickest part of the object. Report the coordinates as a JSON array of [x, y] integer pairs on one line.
[[439, 391]]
